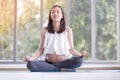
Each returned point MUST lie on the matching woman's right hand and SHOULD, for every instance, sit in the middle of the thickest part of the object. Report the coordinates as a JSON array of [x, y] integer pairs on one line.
[[84, 53], [27, 58]]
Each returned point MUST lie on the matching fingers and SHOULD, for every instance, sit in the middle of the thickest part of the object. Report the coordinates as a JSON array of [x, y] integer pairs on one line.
[[84, 54], [27, 58]]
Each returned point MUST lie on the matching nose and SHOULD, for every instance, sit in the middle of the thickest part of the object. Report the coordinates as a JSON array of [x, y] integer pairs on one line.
[[55, 13]]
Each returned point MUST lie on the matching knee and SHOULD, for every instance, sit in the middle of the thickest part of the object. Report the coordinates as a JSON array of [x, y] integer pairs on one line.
[[78, 61], [30, 65]]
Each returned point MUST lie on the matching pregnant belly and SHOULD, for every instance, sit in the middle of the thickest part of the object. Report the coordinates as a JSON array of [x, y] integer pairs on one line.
[[55, 58]]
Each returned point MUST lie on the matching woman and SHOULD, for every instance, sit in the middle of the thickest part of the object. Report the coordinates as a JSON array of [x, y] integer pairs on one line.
[[56, 45]]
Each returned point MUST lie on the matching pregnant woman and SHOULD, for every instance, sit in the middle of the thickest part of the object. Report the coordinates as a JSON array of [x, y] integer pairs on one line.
[[56, 44]]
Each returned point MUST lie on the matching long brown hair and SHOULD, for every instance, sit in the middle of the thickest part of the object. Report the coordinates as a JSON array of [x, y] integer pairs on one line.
[[62, 22]]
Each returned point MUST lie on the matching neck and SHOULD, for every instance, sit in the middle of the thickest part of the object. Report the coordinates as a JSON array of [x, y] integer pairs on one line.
[[56, 26]]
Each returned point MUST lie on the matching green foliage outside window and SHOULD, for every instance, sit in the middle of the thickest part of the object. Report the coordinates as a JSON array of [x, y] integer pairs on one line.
[[28, 26]]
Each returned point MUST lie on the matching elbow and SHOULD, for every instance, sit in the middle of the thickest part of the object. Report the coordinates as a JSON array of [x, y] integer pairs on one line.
[[41, 49]]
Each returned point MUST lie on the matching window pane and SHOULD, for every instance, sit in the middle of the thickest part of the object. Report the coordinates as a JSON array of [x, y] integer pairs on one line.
[[28, 27], [6, 29], [106, 31], [80, 22]]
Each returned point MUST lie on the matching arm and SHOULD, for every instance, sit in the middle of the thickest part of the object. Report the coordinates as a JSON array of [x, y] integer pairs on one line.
[[73, 51], [40, 51]]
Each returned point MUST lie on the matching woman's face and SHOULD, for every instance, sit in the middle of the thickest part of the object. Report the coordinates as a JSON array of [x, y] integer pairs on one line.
[[56, 14]]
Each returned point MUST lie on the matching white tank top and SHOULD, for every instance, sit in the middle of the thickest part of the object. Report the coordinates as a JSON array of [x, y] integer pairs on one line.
[[56, 43]]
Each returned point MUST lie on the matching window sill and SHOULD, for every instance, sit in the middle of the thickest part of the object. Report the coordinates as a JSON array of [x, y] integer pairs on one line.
[[100, 67], [22, 67]]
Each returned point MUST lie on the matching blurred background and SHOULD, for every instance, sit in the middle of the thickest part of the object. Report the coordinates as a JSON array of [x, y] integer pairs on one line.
[[95, 25]]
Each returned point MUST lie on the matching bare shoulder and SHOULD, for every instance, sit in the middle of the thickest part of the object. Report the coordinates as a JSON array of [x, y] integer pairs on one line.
[[68, 29], [43, 31]]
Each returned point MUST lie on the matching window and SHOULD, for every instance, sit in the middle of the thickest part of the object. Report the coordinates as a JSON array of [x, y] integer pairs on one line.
[[6, 29], [95, 25], [95, 21], [28, 29], [80, 22], [106, 29]]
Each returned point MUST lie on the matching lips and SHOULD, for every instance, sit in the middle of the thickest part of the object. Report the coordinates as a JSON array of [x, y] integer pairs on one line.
[[55, 17]]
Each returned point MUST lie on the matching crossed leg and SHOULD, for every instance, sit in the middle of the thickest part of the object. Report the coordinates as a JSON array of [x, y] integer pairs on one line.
[[38, 66]]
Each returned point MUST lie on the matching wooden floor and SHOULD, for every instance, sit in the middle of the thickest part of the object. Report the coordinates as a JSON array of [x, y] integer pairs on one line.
[[78, 75]]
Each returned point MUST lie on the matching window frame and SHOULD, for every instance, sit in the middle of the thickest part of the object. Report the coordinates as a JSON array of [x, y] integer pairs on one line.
[[93, 29]]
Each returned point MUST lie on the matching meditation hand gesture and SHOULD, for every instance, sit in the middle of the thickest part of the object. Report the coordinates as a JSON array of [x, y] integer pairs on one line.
[[84, 54], [27, 58]]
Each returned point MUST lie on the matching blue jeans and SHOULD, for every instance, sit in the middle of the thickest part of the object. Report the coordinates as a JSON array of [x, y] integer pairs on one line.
[[44, 66]]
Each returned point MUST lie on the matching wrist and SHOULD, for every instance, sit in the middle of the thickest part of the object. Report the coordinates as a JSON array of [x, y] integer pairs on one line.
[[30, 59]]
